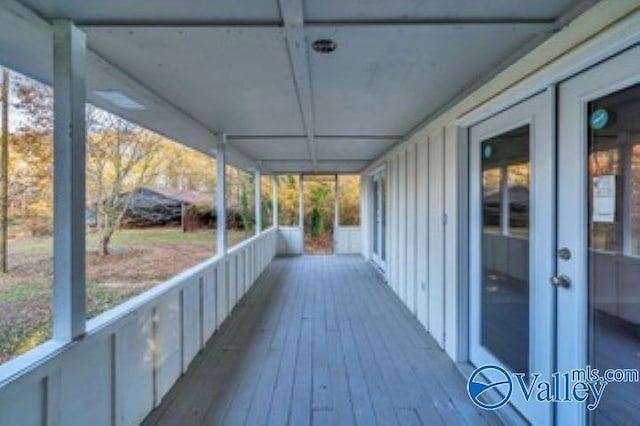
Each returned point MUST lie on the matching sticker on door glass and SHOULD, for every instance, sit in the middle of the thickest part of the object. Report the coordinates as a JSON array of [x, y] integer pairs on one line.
[[604, 199]]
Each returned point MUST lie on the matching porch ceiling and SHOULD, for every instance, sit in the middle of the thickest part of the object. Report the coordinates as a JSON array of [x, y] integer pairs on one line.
[[247, 68]]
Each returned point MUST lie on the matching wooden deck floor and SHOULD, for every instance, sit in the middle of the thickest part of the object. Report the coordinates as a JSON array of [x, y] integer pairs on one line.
[[320, 340]]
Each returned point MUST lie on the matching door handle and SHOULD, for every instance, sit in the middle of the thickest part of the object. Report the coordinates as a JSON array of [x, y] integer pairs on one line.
[[560, 281]]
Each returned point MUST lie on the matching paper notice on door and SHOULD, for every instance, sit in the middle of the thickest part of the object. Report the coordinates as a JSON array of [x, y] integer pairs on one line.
[[604, 199]]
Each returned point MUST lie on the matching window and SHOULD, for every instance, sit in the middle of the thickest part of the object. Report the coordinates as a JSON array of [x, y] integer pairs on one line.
[[266, 208], [349, 200], [150, 209], [288, 200], [241, 210], [26, 283]]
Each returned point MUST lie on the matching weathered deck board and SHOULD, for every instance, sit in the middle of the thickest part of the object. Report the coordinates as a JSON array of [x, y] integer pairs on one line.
[[320, 340]]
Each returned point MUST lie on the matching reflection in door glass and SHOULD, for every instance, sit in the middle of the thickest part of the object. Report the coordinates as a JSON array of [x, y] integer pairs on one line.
[[614, 265], [505, 248], [518, 182]]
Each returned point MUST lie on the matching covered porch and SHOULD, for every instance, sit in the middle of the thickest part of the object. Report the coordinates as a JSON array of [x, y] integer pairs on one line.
[[477, 132], [320, 340]]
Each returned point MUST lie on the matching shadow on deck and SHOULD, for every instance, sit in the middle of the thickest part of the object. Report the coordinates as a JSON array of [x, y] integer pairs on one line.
[[320, 340]]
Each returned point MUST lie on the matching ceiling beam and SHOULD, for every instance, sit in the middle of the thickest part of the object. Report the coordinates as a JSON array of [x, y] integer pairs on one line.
[[125, 23], [293, 18], [316, 137]]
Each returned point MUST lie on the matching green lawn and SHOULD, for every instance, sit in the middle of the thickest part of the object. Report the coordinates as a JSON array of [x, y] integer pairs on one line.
[[140, 259]]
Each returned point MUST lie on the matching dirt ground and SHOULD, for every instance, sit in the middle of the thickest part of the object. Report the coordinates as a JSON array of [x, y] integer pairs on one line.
[[140, 260], [321, 244]]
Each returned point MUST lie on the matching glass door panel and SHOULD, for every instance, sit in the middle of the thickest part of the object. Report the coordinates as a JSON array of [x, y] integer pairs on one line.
[[511, 229], [613, 262], [598, 222], [505, 248]]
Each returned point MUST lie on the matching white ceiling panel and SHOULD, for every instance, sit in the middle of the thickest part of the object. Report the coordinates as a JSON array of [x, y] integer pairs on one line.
[[295, 148], [344, 166], [333, 10], [199, 67], [352, 148], [233, 80], [383, 80], [288, 166], [120, 11]]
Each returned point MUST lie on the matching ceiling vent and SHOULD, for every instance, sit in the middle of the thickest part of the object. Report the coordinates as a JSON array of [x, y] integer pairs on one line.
[[324, 45]]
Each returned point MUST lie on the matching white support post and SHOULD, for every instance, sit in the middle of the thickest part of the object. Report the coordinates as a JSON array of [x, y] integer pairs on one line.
[[221, 186], [258, 198], [69, 145], [301, 204], [336, 212], [336, 205], [274, 202]]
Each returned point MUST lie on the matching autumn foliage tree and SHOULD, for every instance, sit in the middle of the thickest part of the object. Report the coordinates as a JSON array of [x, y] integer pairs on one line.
[[120, 158]]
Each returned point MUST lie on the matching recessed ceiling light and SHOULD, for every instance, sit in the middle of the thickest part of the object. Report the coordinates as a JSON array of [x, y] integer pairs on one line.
[[324, 45], [119, 99]]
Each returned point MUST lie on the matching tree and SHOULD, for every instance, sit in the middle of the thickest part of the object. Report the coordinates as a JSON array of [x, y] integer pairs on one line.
[[349, 203], [319, 193], [120, 158], [245, 209], [31, 149], [4, 173], [288, 200]]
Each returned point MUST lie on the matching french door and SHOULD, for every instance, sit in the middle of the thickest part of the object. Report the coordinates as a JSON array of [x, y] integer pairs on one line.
[[379, 218], [599, 233], [512, 184], [554, 266]]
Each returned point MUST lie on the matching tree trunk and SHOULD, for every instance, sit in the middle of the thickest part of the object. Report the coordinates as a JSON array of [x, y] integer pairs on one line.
[[4, 175], [104, 244]]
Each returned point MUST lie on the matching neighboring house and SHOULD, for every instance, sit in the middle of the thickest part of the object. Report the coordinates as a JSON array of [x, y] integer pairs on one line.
[[166, 207], [189, 209], [163, 206]]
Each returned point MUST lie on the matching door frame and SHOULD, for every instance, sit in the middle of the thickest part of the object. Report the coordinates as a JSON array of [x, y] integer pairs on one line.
[[537, 112], [616, 73], [600, 48]]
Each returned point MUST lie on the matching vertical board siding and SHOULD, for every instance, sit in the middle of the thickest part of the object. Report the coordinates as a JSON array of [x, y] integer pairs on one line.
[[85, 387], [192, 334], [209, 304], [134, 370], [23, 404], [402, 225], [168, 343], [451, 242], [290, 240], [422, 235], [436, 236], [348, 240], [415, 264], [411, 229], [127, 364]]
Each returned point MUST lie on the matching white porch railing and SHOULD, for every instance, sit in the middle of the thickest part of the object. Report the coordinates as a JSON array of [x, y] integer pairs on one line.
[[131, 355]]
